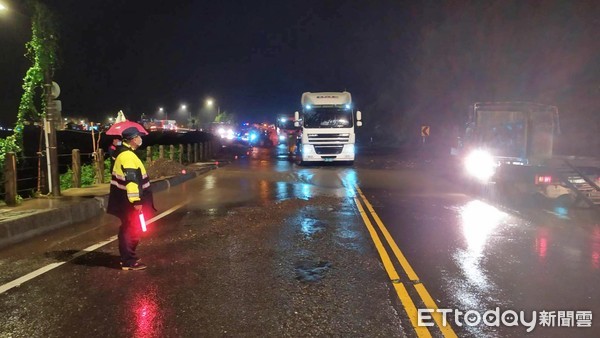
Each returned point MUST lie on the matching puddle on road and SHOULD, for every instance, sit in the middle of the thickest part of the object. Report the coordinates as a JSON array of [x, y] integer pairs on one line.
[[311, 226], [311, 271]]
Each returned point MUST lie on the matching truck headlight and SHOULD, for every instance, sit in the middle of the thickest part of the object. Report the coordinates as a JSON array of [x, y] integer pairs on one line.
[[306, 148], [351, 149], [480, 164]]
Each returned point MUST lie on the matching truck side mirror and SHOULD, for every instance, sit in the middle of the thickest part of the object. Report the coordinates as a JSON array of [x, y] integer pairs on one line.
[[358, 115], [296, 118]]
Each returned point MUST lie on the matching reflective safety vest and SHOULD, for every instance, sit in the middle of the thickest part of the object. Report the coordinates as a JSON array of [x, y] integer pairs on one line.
[[129, 174]]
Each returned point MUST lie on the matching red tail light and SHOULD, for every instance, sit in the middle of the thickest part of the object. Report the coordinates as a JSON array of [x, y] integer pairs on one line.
[[543, 179]]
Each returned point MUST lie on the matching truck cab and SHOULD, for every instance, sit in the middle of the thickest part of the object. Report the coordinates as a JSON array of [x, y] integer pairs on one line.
[[327, 127]]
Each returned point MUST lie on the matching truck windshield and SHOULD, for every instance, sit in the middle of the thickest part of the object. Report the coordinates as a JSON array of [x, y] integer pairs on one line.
[[330, 117], [503, 132]]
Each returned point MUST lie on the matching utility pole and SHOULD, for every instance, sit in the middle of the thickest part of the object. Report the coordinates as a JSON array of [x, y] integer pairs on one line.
[[50, 127]]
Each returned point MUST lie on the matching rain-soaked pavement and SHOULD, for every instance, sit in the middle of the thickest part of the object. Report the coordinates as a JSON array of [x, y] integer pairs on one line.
[[262, 247], [490, 256]]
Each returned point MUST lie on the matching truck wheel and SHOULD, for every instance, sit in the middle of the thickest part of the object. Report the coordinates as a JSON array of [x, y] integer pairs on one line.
[[565, 201]]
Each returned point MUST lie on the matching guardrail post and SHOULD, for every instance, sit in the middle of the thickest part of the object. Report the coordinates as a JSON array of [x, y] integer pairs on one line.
[[102, 164], [181, 153], [100, 161], [10, 173], [171, 152], [161, 151], [76, 168], [202, 155], [149, 155]]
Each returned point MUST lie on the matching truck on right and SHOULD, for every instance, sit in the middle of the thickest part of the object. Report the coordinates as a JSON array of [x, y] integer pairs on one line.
[[510, 145]]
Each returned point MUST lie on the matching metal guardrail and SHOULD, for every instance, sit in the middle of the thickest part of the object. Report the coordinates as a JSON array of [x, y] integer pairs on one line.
[[31, 171]]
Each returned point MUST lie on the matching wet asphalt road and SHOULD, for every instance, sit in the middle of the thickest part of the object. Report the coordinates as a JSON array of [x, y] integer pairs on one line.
[[255, 248], [262, 247], [478, 254]]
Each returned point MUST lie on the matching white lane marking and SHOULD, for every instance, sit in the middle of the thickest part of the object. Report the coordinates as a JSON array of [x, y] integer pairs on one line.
[[17, 282]]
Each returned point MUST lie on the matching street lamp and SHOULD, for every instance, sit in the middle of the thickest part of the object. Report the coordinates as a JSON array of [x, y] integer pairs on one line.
[[163, 111], [210, 103], [183, 108], [3, 7]]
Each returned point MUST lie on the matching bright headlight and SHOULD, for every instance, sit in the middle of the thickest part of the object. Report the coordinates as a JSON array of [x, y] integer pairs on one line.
[[480, 164], [306, 148], [351, 148]]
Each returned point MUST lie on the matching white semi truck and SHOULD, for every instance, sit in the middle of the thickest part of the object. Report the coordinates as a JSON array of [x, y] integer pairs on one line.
[[326, 123]]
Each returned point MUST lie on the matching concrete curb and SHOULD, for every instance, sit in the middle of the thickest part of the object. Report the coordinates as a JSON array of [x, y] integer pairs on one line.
[[22, 227]]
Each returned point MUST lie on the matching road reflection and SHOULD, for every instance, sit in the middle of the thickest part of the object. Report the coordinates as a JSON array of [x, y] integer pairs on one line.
[[596, 247], [541, 244], [146, 312], [479, 220]]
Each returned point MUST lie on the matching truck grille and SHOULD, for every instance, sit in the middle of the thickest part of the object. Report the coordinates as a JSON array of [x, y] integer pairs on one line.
[[328, 138], [328, 150]]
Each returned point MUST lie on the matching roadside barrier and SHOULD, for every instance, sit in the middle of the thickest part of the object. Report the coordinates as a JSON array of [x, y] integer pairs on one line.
[[27, 176]]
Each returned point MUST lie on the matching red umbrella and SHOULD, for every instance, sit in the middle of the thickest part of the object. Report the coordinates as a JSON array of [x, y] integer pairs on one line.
[[117, 128]]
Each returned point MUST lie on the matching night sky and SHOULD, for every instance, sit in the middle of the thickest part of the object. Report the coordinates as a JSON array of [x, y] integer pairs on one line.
[[406, 63]]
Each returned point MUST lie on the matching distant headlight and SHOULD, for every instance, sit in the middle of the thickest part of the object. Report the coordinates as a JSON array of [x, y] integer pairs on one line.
[[481, 165]]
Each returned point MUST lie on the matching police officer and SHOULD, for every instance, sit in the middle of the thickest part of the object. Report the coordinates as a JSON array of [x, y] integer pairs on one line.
[[129, 195], [113, 151]]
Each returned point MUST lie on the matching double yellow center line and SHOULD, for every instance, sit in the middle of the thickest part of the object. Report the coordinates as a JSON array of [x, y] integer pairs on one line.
[[413, 279]]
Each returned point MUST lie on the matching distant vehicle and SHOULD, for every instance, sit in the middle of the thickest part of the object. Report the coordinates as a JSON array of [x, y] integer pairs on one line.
[[160, 125], [223, 130], [287, 132], [326, 125]]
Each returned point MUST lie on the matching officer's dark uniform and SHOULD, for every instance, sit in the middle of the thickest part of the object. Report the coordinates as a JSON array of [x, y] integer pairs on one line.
[[129, 186], [113, 152]]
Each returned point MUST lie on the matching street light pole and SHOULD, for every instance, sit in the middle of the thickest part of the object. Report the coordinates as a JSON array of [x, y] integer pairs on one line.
[[161, 109], [51, 134], [210, 103], [189, 114]]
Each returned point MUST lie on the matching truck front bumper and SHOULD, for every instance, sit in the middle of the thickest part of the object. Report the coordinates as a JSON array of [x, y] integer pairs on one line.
[[327, 153]]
